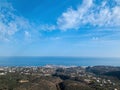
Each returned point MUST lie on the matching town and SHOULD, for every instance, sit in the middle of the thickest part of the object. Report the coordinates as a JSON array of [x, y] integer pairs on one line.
[[51, 77]]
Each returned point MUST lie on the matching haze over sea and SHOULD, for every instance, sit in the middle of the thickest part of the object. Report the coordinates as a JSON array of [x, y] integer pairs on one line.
[[65, 61]]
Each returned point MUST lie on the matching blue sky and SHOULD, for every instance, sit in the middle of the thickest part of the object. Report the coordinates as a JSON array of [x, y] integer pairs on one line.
[[60, 28]]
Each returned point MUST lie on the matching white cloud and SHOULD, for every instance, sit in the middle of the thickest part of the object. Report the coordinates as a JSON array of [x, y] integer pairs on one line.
[[88, 13], [10, 22], [92, 14], [118, 2], [55, 38], [47, 27], [27, 35], [95, 38], [72, 18]]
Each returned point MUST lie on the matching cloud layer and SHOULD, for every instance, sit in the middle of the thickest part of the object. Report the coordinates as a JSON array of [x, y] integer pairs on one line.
[[90, 13], [10, 22], [102, 14]]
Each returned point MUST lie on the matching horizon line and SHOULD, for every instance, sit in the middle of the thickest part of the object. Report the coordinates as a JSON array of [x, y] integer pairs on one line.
[[64, 56]]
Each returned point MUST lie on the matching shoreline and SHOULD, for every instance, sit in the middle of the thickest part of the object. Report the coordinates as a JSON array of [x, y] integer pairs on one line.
[[57, 66]]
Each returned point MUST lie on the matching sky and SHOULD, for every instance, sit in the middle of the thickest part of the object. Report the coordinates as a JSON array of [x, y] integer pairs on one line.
[[78, 28]]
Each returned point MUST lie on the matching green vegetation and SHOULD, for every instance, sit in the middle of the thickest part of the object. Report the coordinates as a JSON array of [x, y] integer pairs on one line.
[[77, 78]]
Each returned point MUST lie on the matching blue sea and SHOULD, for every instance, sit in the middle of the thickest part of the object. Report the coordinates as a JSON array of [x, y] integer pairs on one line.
[[65, 61]]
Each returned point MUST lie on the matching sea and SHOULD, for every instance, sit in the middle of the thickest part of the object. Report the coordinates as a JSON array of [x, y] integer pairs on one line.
[[65, 61]]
